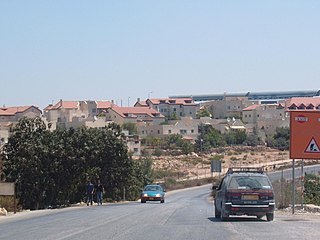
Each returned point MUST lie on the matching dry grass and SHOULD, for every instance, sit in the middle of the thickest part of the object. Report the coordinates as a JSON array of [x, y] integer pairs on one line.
[[198, 165]]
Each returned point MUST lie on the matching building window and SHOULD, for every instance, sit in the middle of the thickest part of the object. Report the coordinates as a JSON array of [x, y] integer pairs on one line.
[[158, 131], [169, 131], [258, 115], [192, 131], [136, 150]]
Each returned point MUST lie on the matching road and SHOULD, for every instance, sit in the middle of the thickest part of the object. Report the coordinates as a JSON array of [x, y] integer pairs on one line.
[[287, 173], [186, 215]]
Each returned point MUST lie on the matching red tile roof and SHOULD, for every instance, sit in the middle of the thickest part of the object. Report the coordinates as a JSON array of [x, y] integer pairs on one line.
[[63, 104], [250, 108], [303, 102], [10, 111], [104, 104], [142, 103], [175, 101]]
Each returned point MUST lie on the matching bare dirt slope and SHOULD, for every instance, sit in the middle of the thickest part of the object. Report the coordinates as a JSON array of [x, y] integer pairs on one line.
[[198, 165]]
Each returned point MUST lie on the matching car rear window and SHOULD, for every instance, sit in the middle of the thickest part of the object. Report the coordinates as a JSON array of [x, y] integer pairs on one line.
[[152, 188], [249, 182]]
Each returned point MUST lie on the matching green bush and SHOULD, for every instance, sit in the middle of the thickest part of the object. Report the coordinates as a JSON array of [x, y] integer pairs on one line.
[[312, 189]]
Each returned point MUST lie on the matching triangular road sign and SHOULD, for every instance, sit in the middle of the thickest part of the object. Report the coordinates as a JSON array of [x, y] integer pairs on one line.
[[312, 147]]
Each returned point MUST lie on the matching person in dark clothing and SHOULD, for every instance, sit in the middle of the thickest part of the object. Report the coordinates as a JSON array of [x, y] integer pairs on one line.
[[99, 192], [90, 191]]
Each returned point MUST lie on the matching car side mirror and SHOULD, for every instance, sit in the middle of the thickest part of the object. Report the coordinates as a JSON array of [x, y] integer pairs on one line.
[[214, 187]]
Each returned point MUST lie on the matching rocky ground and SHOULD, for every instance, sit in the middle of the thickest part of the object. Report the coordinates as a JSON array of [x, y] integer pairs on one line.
[[198, 165]]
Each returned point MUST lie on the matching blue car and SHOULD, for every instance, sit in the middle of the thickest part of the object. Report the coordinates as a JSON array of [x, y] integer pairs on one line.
[[152, 192]]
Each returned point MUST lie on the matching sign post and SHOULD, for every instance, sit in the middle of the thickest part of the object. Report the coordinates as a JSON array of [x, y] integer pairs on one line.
[[304, 140], [293, 187]]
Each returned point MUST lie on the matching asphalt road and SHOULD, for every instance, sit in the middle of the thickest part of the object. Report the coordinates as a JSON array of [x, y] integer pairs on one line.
[[186, 215], [287, 173]]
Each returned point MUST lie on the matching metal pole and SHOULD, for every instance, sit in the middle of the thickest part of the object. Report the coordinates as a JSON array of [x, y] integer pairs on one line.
[[293, 187], [281, 187], [302, 184], [14, 199]]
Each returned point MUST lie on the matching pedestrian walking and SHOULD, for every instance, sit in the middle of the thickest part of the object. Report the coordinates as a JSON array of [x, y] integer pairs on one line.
[[99, 192], [90, 192]]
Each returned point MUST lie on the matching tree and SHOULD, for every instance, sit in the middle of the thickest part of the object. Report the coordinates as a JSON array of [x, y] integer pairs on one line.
[[235, 137], [280, 139], [131, 127], [23, 163], [173, 140], [203, 113], [187, 147], [51, 168], [208, 138], [252, 140]]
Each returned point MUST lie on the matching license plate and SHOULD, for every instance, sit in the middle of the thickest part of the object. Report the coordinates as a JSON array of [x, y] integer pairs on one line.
[[250, 197], [151, 198]]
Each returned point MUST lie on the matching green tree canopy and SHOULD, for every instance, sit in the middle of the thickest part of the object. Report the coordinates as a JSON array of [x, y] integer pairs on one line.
[[280, 139], [51, 168]]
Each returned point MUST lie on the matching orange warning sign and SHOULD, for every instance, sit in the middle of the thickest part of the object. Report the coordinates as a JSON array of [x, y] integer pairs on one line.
[[304, 134], [312, 147]]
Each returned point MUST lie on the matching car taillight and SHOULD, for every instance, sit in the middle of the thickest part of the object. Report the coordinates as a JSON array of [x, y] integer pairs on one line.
[[266, 196], [233, 196]]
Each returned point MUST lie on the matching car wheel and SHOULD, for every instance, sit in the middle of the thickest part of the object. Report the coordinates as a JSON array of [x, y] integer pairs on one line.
[[217, 214], [224, 216], [259, 216], [143, 201], [162, 201], [270, 216]]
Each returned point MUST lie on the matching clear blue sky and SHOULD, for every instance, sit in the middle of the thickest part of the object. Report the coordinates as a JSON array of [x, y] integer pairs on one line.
[[129, 49]]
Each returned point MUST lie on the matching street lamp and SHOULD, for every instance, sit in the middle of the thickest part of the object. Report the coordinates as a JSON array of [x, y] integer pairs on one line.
[[128, 101]]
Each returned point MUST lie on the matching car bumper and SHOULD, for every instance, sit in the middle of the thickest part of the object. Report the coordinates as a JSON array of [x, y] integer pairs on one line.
[[151, 198], [254, 209]]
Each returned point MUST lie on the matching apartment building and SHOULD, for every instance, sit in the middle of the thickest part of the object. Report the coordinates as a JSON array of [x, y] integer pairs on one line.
[[76, 113], [227, 107], [190, 128], [9, 117], [171, 108], [63, 111], [187, 127], [121, 115], [265, 118]]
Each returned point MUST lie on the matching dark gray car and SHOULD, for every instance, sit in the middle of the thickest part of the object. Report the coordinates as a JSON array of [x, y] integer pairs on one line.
[[244, 191]]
